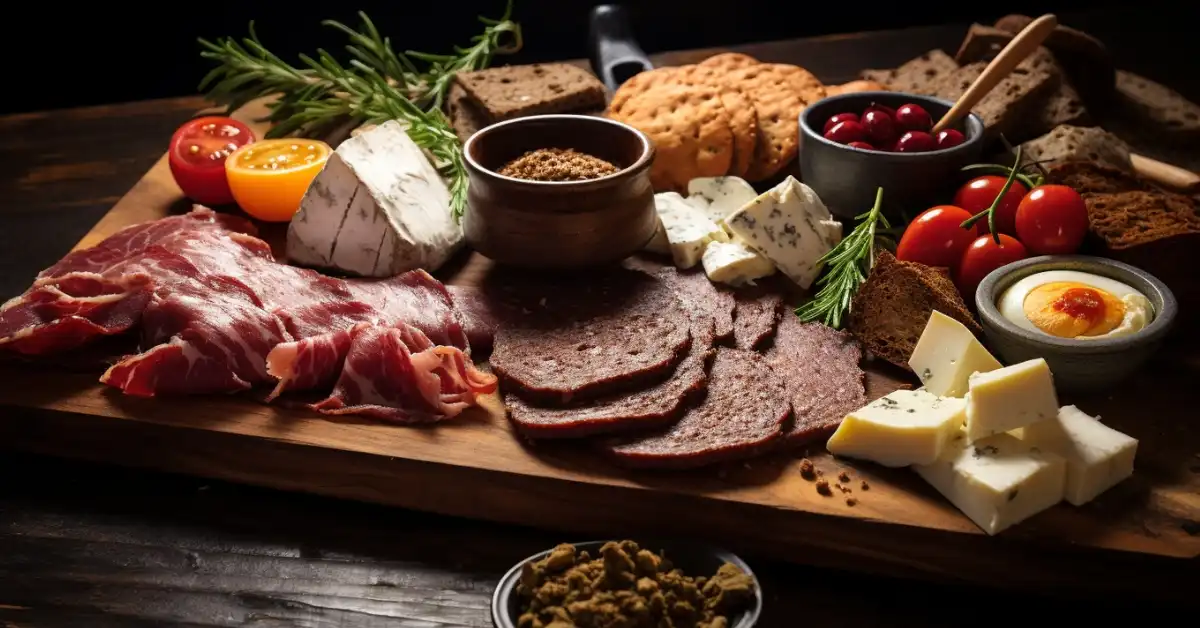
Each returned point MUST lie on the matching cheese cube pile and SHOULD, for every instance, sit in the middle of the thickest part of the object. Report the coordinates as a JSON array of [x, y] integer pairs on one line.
[[991, 439]]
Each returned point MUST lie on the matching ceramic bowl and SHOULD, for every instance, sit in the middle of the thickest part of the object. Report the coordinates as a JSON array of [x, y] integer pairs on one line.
[[559, 224], [846, 178], [1078, 365], [692, 559]]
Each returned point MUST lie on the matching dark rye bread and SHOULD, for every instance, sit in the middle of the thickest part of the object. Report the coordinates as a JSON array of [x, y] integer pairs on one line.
[[524, 90], [892, 306], [820, 367], [918, 76], [1087, 62], [1079, 143], [465, 117], [698, 296], [1009, 109], [742, 415], [1158, 110], [619, 330]]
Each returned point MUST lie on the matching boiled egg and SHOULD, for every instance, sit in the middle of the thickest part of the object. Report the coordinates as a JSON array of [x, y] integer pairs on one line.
[[1074, 304]]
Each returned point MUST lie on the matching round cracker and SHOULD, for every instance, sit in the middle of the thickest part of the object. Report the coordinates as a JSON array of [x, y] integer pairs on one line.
[[640, 83], [690, 130], [779, 93], [855, 87], [728, 61], [743, 123]]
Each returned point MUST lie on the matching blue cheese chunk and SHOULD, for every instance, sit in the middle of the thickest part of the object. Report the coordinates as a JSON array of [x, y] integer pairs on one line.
[[720, 196], [791, 227], [685, 227], [377, 209], [734, 264]]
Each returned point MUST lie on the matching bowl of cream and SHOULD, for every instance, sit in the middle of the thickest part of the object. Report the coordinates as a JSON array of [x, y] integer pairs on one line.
[[1094, 320]]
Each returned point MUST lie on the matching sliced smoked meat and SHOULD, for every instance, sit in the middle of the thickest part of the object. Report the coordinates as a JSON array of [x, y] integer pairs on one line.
[[588, 336], [820, 367], [695, 292], [742, 414], [755, 317]]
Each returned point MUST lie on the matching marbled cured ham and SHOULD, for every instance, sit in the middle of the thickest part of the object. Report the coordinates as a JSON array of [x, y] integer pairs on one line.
[[211, 302]]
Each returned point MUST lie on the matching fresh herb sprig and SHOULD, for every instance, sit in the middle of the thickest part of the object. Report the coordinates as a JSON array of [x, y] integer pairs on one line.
[[378, 84], [848, 264]]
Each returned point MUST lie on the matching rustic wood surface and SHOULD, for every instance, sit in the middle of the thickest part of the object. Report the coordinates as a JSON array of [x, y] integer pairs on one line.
[[82, 545]]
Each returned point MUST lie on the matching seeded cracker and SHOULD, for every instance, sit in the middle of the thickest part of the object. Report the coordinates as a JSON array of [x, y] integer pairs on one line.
[[779, 92], [729, 61]]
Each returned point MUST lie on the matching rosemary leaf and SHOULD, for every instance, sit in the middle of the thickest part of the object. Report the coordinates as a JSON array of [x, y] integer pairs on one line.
[[846, 264]]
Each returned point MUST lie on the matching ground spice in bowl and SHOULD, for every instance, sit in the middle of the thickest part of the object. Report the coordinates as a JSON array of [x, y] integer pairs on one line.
[[557, 164]]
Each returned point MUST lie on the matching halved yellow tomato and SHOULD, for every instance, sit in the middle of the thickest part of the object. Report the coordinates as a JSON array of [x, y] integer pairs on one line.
[[269, 178]]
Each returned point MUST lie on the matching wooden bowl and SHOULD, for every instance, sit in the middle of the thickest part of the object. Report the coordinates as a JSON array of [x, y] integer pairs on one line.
[[559, 225], [694, 560]]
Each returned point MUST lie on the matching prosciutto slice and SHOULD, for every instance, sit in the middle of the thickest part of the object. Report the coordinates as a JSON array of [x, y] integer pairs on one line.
[[210, 302]]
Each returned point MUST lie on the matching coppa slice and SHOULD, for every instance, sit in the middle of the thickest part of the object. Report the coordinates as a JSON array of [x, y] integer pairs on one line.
[[741, 416], [819, 365], [615, 331]]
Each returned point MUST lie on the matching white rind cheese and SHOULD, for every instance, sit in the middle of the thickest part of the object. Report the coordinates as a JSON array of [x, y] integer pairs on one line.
[[687, 229], [1098, 457], [947, 354], [720, 196], [996, 482], [733, 264], [902, 428], [1007, 398], [790, 226], [377, 209]]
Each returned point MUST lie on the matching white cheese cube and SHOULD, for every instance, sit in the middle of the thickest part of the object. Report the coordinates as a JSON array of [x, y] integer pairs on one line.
[[790, 226], [996, 482], [378, 208], [733, 264], [720, 196], [686, 227], [1098, 457], [902, 428], [947, 354], [1007, 398]]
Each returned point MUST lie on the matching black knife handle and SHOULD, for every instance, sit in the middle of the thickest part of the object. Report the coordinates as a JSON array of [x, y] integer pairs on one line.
[[615, 54]]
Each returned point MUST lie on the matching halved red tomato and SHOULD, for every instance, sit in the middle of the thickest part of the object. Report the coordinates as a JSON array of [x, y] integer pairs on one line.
[[197, 157]]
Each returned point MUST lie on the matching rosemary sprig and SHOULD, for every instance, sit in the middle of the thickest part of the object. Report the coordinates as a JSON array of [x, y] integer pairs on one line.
[[848, 264]]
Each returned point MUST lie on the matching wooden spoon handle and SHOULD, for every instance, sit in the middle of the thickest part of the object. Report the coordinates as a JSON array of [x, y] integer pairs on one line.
[[1014, 53], [1165, 174]]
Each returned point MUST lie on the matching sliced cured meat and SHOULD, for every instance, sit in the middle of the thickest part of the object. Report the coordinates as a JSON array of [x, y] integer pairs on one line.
[[695, 292], [755, 318], [743, 414], [820, 367], [477, 317], [651, 407], [613, 331]]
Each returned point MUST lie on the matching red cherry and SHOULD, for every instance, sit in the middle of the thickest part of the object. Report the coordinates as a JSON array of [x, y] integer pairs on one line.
[[846, 132], [915, 142], [880, 128], [912, 117], [949, 138], [862, 145], [878, 107], [839, 117]]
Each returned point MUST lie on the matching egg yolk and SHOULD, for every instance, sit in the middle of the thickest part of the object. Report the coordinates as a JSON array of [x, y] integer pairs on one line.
[[1068, 310]]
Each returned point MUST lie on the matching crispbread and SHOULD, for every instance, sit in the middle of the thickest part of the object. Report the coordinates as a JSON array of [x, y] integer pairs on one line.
[[690, 130], [1060, 106], [639, 83], [1009, 108], [1079, 143], [918, 76], [779, 92], [521, 90], [1158, 108]]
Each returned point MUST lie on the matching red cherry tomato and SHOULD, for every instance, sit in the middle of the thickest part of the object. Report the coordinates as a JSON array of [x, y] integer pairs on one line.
[[839, 117], [1052, 220], [935, 237], [197, 157], [879, 127], [983, 256], [878, 107], [979, 194]]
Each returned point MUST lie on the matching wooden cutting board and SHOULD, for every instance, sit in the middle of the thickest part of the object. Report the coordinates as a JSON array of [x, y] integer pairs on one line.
[[1140, 538]]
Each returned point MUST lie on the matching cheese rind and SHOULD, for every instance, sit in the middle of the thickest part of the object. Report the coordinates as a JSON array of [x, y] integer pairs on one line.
[[996, 482], [686, 227], [378, 208], [790, 226], [734, 264], [1098, 457], [947, 354], [901, 428], [720, 196], [1007, 398]]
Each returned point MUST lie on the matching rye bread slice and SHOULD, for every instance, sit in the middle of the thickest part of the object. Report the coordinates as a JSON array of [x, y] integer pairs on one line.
[[1079, 143], [742, 415], [524, 90], [892, 306], [1009, 108], [465, 116], [1089, 177], [583, 338], [1158, 109], [918, 76], [1086, 60], [820, 367]]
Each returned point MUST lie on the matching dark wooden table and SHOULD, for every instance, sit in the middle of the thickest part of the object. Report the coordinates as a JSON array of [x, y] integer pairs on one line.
[[91, 546]]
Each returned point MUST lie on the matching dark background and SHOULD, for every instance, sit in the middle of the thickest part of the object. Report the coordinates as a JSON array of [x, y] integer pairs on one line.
[[60, 55]]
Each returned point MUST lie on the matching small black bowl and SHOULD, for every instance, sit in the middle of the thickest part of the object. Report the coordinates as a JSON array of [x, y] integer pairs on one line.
[[846, 178], [694, 560]]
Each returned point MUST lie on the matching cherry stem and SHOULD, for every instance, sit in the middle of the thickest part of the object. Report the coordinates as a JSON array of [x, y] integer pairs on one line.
[[990, 212]]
